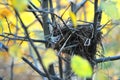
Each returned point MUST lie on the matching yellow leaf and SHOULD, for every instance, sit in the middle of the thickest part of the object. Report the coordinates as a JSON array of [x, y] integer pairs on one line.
[[5, 12], [15, 51], [49, 57], [20, 5], [73, 18], [81, 67], [36, 3], [64, 14]]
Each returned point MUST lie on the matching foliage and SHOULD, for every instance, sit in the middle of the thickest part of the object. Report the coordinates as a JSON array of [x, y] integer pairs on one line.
[[49, 57], [23, 28], [81, 67], [74, 19], [110, 8]]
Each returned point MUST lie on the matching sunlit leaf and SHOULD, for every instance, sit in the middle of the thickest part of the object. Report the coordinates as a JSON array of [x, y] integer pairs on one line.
[[5, 12], [74, 19], [49, 57], [81, 67], [110, 8], [36, 3], [20, 5], [15, 51], [64, 13]]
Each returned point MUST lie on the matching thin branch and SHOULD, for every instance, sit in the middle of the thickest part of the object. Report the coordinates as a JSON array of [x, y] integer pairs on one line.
[[109, 31], [64, 45], [105, 59], [37, 70], [95, 16], [35, 14], [52, 10], [32, 44], [60, 67], [8, 24], [22, 38], [11, 72], [65, 10], [43, 11], [79, 5], [31, 65]]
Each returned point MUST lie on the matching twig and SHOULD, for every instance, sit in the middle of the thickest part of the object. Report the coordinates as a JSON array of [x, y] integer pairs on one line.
[[52, 10], [22, 38], [79, 5], [8, 24], [43, 11], [11, 72], [60, 67], [100, 28], [64, 45], [109, 31], [37, 70], [95, 16], [105, 59], [45, 19], [32, 44], [36, 16], [65, 10]]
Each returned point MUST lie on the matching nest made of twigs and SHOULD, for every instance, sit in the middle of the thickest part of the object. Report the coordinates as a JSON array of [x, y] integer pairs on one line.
[[81, 40]]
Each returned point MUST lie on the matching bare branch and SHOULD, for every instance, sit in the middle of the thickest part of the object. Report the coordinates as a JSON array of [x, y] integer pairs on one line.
[[79, 5], [22, 38], [32, 44], [37, 70], [95, 16], [11, 72], [105, 59]]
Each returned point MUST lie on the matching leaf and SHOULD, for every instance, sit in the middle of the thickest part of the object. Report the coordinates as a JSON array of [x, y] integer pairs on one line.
[[49, 57], [73, 18], [5, 12], [110, 8], [15, 51], [20, 5], [1, 27], [81, 67]]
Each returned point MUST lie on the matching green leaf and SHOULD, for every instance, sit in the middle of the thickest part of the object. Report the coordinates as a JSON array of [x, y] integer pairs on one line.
[[73, 18], [110, 8], [81, 66]]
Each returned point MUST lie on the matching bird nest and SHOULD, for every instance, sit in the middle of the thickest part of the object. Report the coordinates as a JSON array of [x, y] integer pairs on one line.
[[81, 41]]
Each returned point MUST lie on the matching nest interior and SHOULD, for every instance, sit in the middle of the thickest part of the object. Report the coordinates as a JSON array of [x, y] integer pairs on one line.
[[80, 41]]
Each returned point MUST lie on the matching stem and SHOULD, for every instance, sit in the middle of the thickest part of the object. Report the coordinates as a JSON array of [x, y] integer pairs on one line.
[[105, 59], [32, 44]]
